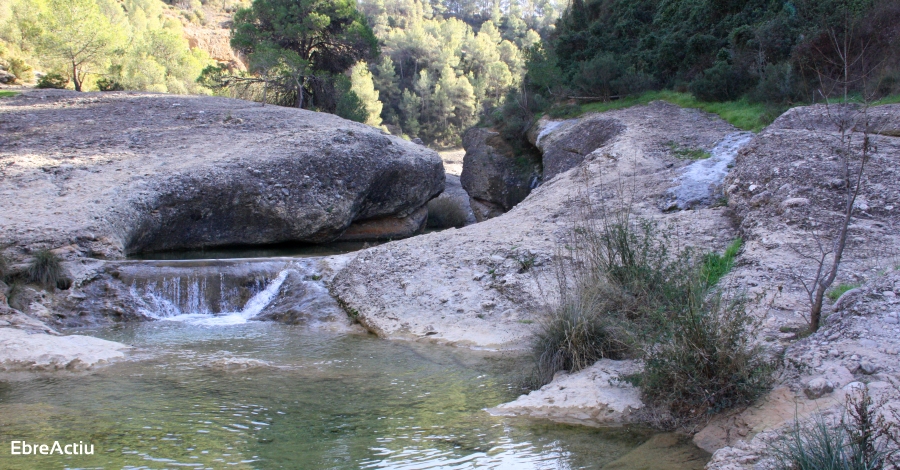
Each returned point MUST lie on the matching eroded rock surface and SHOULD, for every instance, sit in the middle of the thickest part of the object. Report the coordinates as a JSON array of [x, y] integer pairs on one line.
[[116, 173], [31, 351], [485, 285], [787, 191], [595, 396]]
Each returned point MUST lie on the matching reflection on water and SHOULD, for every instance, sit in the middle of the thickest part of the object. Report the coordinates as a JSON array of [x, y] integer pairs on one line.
[[264, 395]]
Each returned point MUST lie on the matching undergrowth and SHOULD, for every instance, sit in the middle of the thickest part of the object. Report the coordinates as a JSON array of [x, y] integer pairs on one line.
[[742, 113], [626, 289], [7, 94], [840, 290], [46, 270], [861, 439]]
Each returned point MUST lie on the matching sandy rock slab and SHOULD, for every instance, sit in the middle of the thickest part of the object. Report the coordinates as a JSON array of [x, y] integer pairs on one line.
[[596, 396], [41, 352]]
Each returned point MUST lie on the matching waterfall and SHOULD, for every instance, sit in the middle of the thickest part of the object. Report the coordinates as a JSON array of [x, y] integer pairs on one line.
[[198, 296]]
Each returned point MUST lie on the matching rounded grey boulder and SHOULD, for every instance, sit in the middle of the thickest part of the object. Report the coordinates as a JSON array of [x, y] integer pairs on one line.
[[117, 173]]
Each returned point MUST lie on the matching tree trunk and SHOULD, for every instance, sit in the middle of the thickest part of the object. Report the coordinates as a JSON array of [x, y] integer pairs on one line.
[[75, 79]]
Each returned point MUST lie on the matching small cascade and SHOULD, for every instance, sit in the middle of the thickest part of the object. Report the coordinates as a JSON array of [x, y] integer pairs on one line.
[[207, 292], [701, 181]]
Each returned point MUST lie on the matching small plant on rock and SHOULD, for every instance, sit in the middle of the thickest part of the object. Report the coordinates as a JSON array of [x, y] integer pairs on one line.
[[46, 269]]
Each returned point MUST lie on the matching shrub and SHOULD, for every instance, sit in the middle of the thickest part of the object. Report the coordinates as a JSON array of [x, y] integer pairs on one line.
[[580, 331], [22, 71], [862, 439], [53, 80], [46, 269], [704, 361], [625, 289], [105, 84], [445, 213]]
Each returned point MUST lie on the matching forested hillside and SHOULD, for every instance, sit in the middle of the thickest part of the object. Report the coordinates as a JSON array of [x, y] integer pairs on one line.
[[105, 44], [445, 63]]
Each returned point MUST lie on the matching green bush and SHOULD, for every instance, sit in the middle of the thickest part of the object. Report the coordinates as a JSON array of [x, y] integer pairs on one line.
[[53, 80], [704, 361], [445, 213], [625, 291], [22, 71], [46, 270], [106, 84]]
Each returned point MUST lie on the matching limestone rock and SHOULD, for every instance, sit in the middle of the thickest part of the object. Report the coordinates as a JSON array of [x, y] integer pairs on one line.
[[21, 350], [158, 172], [565, 144], [493, 175], [595, 396]]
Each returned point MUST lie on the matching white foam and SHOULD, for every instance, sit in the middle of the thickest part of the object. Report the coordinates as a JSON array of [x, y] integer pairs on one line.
[[159, 308]]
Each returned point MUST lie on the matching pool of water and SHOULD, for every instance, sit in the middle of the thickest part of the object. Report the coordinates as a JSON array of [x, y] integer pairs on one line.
[[266, 395]]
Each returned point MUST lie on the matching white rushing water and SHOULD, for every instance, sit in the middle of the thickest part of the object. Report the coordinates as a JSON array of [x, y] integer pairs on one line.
[[158, 307], [702, 179]]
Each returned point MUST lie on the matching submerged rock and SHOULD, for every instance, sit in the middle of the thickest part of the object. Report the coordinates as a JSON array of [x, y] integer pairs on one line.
[[116, 173]]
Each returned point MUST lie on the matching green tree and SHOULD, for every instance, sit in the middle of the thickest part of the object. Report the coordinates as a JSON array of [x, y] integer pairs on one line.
[[318, 39], [79, 36], [364, 88]]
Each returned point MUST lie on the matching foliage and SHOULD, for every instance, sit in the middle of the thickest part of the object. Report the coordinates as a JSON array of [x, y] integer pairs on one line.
[[445, 64], [7, 94], [444, 212], [298, 47], [840, 290], [862, 439], [53, 80], [135, 43], [626, 289], [718, 50], [716, 266], [349, 105], [105, 84], [78, 36], [704, 361], [46, 269]]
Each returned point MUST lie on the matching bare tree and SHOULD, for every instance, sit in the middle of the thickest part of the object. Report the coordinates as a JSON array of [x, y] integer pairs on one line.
[[854, 144]]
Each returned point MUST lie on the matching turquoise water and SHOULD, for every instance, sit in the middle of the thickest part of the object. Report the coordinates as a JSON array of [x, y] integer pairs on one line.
[[193, 397]]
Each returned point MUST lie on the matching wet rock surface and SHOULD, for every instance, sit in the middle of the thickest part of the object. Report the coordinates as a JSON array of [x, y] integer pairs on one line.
[[144, 172]]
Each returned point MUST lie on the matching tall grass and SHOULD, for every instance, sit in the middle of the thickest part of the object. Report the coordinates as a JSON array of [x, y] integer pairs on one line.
[[627, 290], [46, 269], [862, 439]]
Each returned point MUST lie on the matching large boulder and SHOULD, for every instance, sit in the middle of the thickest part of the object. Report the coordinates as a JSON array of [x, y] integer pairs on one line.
[[495, 177], [564, 144], [117, 173]]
